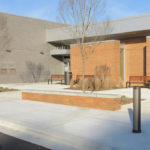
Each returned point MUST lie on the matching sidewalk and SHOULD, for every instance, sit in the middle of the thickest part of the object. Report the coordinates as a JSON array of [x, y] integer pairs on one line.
[[145, 93], [44, 87], [61, 127]]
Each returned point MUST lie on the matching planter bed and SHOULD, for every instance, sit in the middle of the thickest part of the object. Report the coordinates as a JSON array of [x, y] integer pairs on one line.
[[76, 99]]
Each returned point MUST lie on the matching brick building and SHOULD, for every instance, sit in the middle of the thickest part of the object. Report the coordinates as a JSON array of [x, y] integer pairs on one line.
[[125, 57], [38, 48], [125, 50]]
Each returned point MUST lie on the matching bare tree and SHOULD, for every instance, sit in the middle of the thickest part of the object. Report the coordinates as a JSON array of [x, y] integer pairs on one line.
[[4, 36], [102, 72], [83, 15], [35, 70]]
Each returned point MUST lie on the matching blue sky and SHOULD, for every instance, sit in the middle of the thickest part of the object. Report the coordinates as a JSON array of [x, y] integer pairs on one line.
[[47, 9]]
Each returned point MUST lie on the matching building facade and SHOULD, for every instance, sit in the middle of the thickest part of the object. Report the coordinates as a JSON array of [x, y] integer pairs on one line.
[[25, 54], [34, 49], [125, 49], [125, 57]]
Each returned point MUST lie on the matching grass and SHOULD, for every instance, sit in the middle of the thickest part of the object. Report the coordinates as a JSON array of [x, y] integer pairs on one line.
[[126, 100], [7, 89]]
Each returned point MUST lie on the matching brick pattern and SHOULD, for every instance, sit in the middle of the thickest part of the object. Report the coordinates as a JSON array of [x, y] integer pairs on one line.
[[105, 53], [81, 101], [134, 56], [108, 53]]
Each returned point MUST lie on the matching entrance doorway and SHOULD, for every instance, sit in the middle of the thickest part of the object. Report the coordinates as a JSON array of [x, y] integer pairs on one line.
[[66, 64]]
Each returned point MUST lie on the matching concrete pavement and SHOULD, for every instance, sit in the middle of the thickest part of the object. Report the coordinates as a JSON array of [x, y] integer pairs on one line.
[[44, 87], [61, 127]]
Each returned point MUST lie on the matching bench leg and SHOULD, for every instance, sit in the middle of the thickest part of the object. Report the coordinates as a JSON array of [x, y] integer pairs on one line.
[[51, 81], [48, 81], [127, 83]]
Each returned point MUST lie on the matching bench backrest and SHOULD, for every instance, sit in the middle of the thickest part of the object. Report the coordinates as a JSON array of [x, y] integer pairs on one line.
[[147, 78], [139, 78], [86, 76], [57, 76]]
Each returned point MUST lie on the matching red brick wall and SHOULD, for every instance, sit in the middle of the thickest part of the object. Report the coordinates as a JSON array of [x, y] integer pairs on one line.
[[106, 53], [134, 56], [82, 101]]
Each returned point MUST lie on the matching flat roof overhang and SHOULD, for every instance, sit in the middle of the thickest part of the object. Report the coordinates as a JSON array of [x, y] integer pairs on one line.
[[108, 37], [119, 29]]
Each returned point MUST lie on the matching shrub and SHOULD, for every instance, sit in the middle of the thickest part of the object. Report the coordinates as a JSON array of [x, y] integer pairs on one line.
[[106, 83], [86, 83], [97, 83], [79, 84], [101, 80], [124, 99], [72, 83], [91, 84], [103, 73]]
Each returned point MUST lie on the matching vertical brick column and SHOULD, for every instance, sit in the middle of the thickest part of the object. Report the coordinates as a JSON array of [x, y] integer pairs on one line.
[[148, 55]]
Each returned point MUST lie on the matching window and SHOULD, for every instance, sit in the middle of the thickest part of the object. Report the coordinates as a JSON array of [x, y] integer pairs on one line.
[[3, 70], [12, 70]]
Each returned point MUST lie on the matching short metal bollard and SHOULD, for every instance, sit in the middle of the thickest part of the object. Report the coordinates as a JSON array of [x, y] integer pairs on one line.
[[136, 109]]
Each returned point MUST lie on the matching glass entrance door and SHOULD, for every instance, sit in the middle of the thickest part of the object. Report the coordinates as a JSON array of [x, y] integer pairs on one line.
[[67, 65]]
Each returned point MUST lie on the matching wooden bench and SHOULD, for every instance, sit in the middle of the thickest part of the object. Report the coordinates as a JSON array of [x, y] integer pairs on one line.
[[138, 80], [56, 77], [86, 76]]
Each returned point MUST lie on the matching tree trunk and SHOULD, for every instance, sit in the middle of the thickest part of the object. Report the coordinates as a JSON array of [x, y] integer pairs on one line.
[[83, 74]]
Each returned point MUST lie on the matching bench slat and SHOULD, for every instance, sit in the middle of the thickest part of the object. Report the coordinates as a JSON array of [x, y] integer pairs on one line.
[[138, 80], [56, 77], [86, 76]]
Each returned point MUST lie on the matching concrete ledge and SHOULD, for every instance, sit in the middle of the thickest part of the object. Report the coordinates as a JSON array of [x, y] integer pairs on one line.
[[112, 103]]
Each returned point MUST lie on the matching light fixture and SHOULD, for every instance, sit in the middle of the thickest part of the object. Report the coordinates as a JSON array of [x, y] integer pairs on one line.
[[7, 50], [42, 53]]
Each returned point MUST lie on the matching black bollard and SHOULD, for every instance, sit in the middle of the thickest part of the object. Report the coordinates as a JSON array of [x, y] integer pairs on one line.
[[136, 109]]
